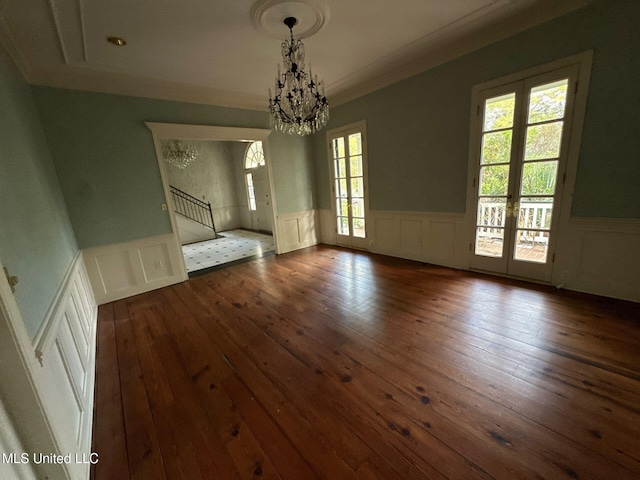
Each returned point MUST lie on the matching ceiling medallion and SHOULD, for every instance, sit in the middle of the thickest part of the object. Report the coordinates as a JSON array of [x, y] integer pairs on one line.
[[267, 15]]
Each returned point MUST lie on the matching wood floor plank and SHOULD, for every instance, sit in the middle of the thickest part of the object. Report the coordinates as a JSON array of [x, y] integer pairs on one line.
[[208, 369], [329, 363], [109, 433], [145, 460]]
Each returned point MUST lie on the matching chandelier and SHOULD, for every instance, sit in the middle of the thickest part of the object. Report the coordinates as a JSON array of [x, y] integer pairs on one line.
[[299, 106], [179, 155]]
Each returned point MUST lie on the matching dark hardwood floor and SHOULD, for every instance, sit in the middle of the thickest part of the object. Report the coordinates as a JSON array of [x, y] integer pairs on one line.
[[327, 363]]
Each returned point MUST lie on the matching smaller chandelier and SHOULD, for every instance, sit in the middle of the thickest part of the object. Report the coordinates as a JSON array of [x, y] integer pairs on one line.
[[179, 155], [299, 106]]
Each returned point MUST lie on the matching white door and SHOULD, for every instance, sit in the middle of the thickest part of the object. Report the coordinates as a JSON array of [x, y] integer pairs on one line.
[[258, 188], [261, 216], [522, 140], [348, 165]]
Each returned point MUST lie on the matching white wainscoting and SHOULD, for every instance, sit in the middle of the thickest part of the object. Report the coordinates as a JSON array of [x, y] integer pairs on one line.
[[436, 238], [126, 269], [296, 231], [65, 347], [600, 256]]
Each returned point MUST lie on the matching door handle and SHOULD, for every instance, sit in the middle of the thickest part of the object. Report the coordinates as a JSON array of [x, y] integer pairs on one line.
[[11, 280]]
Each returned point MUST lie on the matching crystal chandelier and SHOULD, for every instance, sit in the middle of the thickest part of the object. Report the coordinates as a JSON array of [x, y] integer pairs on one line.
[[299, 106], [179, 155]]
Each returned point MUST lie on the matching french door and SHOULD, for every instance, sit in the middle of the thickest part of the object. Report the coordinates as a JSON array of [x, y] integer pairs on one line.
[[348, 165], [522, 140]]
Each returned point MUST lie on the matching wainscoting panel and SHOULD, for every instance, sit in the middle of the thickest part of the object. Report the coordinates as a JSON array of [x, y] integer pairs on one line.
[[442, 240], [600, 256], [156, 262], [427, 237], [296, 231], [326, 227], [126, 269], [411, 236], [65, 348], [386, 235]]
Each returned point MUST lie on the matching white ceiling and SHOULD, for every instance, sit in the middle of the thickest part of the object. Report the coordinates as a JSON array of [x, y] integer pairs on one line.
[[209, 51]]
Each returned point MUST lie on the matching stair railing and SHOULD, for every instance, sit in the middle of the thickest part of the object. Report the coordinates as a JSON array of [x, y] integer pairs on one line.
[[191, 207]]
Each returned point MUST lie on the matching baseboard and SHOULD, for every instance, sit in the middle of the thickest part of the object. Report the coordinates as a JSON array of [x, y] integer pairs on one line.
[[126, 269]]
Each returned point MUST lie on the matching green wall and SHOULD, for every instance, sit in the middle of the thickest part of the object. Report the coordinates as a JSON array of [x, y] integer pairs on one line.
[[106, 162], [418, 129], [292, 165], [36, 239]]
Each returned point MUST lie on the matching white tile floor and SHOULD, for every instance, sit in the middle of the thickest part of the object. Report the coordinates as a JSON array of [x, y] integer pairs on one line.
[[230, 246]]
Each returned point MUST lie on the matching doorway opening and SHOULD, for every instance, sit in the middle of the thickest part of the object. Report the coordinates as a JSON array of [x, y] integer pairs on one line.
[[214, 219]]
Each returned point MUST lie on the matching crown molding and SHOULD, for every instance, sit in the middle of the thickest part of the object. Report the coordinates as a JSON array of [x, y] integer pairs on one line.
[[413, 60], [119, 84]]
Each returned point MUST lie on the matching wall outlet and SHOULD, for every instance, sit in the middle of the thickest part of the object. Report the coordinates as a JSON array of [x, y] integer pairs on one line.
[[164, 207], [157, 264]]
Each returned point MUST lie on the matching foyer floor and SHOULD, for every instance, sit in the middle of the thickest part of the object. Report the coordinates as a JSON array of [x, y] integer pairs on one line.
[[231, 246]]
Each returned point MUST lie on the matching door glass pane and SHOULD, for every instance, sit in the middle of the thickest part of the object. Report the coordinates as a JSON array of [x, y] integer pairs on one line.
[[355, 144], [543, 141], [547, 102], [539, 178], [341, 168], [343, 225], [355, 164], [357, 187], [498, 112], [357, 207], [338, 147], [535, 213], [491, 212], [489, 241], [494, 180], [341, 187], [531, 246], [343, 206], [358, 227], [496, 147]]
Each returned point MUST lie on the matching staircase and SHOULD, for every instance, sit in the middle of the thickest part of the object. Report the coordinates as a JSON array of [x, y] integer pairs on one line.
[[195, 222]]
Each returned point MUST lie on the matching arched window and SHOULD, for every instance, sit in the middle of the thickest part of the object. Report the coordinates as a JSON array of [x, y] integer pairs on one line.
[[255, 156]]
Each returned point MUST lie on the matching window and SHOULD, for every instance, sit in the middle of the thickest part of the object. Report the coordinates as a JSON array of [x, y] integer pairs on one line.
[[254, 157], [251, 193]]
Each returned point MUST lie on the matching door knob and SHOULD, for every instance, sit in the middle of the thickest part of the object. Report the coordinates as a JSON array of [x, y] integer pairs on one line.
[[11, 279]]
